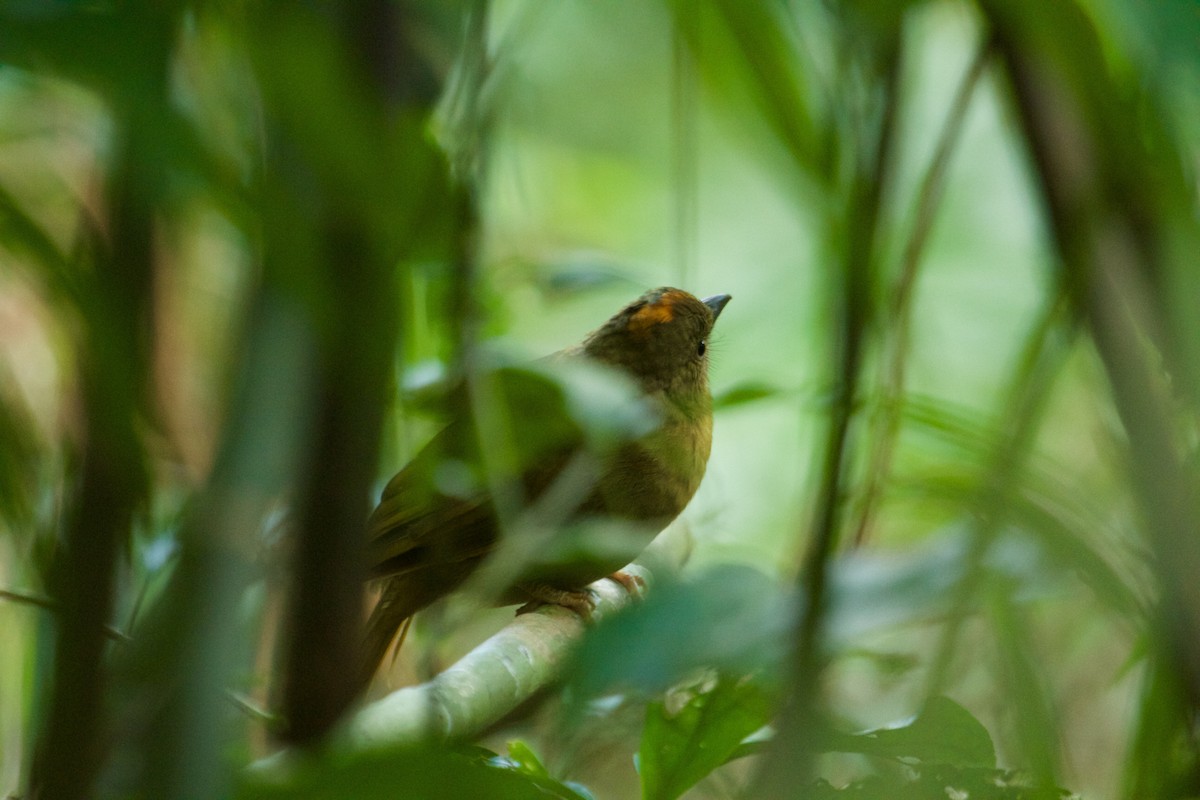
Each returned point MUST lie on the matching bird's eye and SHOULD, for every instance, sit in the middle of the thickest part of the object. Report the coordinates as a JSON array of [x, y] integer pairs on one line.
[[703, 346]]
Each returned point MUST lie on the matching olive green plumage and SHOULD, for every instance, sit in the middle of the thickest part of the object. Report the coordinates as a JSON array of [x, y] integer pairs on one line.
[[424, 543]]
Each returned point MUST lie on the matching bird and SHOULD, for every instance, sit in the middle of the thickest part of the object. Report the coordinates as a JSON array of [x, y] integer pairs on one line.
[[424, 540]]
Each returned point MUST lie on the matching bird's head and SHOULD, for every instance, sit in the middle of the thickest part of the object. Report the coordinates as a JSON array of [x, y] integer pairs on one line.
[[661, 340]]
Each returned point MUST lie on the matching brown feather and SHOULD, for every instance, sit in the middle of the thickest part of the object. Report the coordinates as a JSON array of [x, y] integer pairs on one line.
[[424, 544]]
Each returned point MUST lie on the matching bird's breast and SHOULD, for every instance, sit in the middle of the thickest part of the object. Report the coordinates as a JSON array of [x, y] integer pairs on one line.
[[655, 477]]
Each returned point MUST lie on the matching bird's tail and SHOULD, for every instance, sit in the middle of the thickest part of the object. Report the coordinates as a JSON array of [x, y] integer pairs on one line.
[[391, 615]]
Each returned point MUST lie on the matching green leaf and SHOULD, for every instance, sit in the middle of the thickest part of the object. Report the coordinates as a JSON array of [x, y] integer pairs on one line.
[[26, 238], [432, 772], [19, 459], [870, 591], [526, 416], [943, 733], [578, 272], [681, 744], [749, 52], [732, 617], [743, 393], [938, 783], [526, 760]]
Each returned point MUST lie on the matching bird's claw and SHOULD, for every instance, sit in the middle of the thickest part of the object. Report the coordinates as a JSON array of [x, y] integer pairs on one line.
[[634, 584], [581, 602]]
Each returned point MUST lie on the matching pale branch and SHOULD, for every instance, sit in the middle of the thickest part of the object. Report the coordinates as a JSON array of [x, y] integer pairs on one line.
[[487, 683], [481, 688]]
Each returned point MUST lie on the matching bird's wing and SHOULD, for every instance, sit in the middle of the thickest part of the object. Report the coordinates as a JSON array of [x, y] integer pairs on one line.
[[452, 530], [416, 526], [422, 522]]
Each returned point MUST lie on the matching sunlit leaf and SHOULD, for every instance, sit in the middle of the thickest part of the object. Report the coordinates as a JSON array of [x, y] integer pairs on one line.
[[522, 758], [521, 754]]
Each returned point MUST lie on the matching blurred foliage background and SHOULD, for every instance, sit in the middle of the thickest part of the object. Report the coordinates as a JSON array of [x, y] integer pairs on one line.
[[955, 447]]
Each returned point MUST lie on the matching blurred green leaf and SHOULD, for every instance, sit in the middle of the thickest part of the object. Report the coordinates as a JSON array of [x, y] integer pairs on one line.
[[744, 393], [1030, 707], [1067, 544], [944, 732], [23, 236], [732, 617], [112, 47], [19, 460], [939, 782], [523, 759], [434, 773], [869, 592], [605, 402], [536, 407], [1161, 759], [581, 271], [695, 730], [750, 51], [529, 419], [521, 754]]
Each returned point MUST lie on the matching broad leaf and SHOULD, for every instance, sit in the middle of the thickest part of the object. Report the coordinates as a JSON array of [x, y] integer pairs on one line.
[[732, 617], [681, 744], [943, 733], [421, 773]]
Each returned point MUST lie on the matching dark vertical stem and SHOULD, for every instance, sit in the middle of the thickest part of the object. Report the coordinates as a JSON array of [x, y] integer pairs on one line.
[[469, 123], [1092, 160], [353, 366], [111, 484], [472, 123], [789, 762], [1109, 261], [354, 372]]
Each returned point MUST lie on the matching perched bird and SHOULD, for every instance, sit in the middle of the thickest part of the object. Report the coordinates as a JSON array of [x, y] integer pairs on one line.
[[425, 541]]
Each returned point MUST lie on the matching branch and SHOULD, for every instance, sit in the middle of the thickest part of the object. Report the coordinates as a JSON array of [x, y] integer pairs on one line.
[[480, 689], [487, 683]]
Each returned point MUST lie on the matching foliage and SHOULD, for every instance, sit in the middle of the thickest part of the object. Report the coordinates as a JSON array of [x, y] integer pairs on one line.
[[682, 745], [439, 772], [254, 255]]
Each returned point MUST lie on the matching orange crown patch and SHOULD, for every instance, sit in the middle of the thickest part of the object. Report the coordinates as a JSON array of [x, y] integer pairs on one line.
[[656, 313]]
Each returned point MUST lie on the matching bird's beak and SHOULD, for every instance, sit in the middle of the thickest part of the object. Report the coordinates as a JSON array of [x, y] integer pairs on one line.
[[716, 303]]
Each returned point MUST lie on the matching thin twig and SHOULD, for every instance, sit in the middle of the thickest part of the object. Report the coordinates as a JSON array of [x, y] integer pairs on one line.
[[1041, 360], [685, 152], [899, 311], [789, 762], [251, 709], [41, 601]]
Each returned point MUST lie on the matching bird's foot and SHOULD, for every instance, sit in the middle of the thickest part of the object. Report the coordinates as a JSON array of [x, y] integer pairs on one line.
[[581, 602], [634, 584]]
